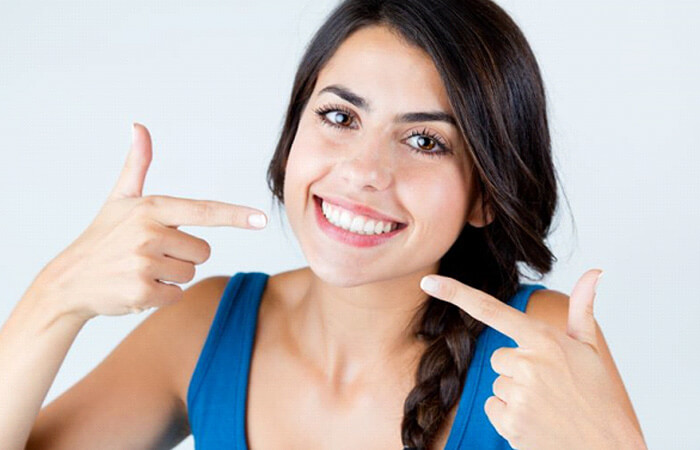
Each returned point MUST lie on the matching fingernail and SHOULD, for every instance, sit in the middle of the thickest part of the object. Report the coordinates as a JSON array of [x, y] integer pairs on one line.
[[133, 131], [597, 281], [257, 220], [429, 284]]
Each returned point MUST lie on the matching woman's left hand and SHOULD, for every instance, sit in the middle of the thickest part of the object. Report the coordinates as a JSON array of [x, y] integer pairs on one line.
[[553, 390]]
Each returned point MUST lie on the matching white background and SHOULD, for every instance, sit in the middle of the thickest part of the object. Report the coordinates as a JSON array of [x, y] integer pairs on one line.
[[211, 81]]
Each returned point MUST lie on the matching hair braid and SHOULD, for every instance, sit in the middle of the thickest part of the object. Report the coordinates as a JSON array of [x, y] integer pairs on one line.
[[441, 371]]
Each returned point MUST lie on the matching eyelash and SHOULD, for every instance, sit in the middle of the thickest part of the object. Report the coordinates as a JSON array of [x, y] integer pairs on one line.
[[444, 150]]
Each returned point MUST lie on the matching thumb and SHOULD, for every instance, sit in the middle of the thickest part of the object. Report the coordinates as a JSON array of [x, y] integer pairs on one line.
[[133, 174], [581, 324]]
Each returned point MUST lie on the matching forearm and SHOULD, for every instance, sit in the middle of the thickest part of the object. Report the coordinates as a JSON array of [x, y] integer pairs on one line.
[[34, 342], [619, 433], [630, 437]]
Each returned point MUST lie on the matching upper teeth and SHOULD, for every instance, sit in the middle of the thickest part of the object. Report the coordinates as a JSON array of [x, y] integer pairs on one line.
[[353, 222]]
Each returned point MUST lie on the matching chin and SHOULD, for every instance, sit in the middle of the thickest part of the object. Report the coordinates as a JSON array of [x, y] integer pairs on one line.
[[349, 274], [341, 276]]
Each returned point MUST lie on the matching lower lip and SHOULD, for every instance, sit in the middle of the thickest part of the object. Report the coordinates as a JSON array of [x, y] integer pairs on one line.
[[354, 239]]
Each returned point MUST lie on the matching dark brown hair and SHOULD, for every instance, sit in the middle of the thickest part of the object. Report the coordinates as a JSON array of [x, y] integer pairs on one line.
[[496, 91]]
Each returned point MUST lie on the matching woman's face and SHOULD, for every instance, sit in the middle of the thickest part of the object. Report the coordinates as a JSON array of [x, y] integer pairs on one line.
[[356, 150]]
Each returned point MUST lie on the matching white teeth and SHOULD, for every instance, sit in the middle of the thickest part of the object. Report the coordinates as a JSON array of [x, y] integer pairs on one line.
[[345, 219], [358, 223], [355, 223]]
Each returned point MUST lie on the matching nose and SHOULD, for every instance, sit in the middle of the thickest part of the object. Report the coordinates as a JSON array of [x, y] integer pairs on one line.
[[367, 168]]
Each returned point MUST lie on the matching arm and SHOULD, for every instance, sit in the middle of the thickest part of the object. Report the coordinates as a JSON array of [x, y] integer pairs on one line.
[[130, 400], [33, 343]]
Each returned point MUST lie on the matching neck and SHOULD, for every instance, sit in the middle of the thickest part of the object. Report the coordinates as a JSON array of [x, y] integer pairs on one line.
[[350, 332]]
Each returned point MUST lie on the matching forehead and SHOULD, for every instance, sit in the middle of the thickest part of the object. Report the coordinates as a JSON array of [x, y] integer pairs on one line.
[[379, 65]]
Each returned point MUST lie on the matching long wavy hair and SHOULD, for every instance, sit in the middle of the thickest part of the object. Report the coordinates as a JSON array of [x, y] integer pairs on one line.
[[495, 88]]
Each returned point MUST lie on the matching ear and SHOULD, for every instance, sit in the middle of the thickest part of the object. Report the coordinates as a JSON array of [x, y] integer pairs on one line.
[[480, 214]]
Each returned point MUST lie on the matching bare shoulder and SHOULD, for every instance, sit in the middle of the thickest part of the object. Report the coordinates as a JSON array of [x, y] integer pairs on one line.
[[187, 323], [175, 334], [185, 326], [550, 306]]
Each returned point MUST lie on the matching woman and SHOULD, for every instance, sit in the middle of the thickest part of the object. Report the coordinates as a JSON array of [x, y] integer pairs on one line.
[[415, 143]]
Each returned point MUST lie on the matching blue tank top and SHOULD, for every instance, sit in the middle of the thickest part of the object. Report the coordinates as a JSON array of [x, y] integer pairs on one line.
[[217, 392]]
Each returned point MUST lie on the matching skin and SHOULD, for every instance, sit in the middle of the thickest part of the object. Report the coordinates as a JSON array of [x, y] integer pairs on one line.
[[346, 333], [360, 300], [339, 329]]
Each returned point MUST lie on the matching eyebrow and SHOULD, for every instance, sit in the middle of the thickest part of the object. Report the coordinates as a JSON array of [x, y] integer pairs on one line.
[[426, 116]]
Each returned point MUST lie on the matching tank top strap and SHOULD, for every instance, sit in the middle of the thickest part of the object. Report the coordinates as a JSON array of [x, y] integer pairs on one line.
[[471, 427], [217, 393], [217, 390]]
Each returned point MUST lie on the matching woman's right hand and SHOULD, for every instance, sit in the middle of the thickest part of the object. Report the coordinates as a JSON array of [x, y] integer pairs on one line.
[[122, 261]]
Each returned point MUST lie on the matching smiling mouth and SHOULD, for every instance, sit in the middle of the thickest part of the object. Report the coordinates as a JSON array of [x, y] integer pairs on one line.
[[381, 221], [352, 238]]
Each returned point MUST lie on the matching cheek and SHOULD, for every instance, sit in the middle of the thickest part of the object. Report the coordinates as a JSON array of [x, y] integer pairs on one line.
[[305, 164], [312, 154], [309, 147], [319, 144], [438, 199]]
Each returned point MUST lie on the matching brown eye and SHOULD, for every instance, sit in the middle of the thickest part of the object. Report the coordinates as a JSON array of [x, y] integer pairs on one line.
[[336, 116], [424, 142], [341, 118], [427, 143]]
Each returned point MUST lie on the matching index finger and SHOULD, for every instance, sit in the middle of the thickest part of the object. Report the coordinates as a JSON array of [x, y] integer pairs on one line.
[[489, 310], [174, 211]]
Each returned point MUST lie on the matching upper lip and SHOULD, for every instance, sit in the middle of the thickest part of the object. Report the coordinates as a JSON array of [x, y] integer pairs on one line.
[[358, 208]]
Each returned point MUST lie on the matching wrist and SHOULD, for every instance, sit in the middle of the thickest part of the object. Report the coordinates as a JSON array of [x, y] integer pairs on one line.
[[631, 439], [625, 435], [47, 309]]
